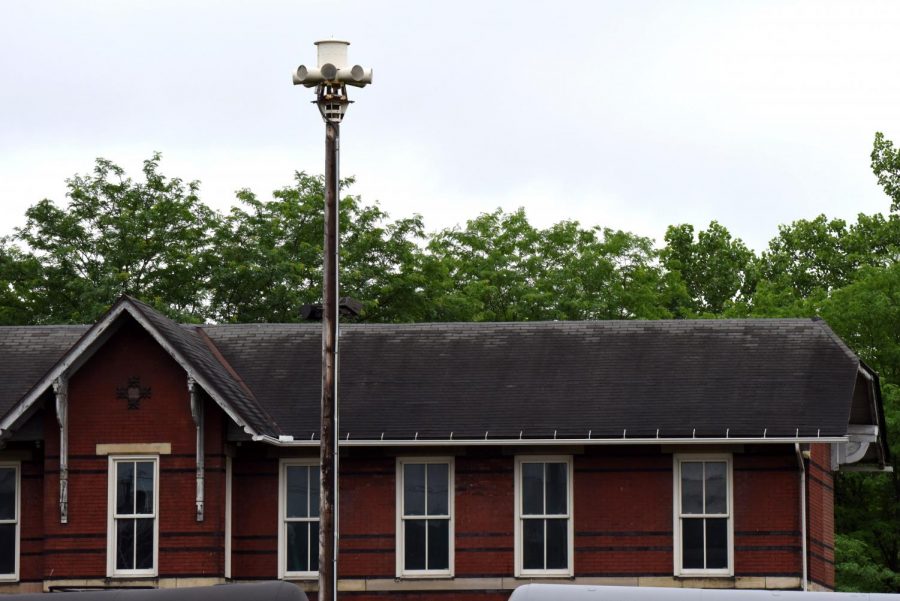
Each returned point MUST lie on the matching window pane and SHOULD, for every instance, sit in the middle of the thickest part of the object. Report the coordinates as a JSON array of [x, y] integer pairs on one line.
[[314, 546], [7, 548], [557, 488], [692, 487], [7, 493], [297, 547], [414, 544], [557, 544], [533, 488], [314, 494], [144, 487], [414, 489], [716, 487], [125, 544], [125, 487], [438, 475], [297, 491], [533, 544], [716, 544], [438, 544], [692, 544], [144, 545]]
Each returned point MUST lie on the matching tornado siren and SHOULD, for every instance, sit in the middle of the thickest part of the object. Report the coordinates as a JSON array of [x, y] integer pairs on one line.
[[332, 68]]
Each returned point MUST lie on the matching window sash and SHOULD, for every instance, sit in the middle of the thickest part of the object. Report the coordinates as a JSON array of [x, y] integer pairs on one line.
[[14, 521], [681, 517], [404, 518], [544, 518], [116, 518], [284, 560], [704, 514]]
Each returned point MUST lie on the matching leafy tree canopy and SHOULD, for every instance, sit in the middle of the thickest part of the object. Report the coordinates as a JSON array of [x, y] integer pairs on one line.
[[886, 166], [116, 236], [710, 271]]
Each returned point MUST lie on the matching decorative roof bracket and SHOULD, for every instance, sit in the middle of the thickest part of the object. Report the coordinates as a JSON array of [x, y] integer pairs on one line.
[[197, 414], [61, 390]]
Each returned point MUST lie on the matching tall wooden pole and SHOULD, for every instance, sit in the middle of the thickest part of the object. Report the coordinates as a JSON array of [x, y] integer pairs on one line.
[[328, 531]]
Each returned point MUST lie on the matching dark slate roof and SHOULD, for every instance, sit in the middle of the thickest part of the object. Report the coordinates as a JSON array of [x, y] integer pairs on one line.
[[684, 378], [638, 379], [27, 353]]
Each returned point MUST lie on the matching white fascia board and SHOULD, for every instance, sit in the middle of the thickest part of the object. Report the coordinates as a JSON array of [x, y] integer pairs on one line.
[[528, 442]]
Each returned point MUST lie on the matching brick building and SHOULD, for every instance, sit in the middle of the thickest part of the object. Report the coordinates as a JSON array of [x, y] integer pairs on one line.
[[474, 457]]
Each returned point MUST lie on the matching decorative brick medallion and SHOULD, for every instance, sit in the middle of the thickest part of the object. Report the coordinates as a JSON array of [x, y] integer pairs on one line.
[[133, 392]]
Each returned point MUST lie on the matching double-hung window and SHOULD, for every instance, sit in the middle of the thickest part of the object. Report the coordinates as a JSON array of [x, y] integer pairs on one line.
[[133, 516], [9, 521], [298, 530], [424, 517], [543, 529], [703, 515]]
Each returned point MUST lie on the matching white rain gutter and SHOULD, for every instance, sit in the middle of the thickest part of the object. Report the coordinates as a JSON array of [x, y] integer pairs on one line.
[[288, 441], [802, 511]]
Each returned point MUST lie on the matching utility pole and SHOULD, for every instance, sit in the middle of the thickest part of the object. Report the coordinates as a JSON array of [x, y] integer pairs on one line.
[[330, 78]]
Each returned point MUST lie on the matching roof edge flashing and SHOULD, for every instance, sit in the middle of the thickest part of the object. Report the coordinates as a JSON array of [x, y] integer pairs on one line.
[[282, 441]]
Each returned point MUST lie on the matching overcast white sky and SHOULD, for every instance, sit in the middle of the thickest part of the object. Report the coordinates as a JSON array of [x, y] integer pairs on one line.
[[627, 114]]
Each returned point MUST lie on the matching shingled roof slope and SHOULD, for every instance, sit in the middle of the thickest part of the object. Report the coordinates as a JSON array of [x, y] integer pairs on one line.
[[27, 353], [611, 379]]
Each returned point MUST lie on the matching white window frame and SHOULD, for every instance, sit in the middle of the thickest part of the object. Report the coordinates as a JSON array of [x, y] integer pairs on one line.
[[678, 459], [570, 516], [111, 570], [283, 572], [400, 529], [14, 577]]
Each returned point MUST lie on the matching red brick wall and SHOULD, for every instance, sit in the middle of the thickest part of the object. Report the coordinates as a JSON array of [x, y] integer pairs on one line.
[[31, 533], [484, 514], [623, 513], [79, 549], [622, 508], [767, 513], [254, 515], [820, 510], [368, 514]]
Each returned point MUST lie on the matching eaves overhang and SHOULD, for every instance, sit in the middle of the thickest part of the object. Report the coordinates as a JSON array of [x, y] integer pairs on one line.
[[286, 441], [867, 448]]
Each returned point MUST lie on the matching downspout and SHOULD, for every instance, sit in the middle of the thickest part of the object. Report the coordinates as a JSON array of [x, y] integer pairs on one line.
[[197, 414], [802, 465], [61, 390]]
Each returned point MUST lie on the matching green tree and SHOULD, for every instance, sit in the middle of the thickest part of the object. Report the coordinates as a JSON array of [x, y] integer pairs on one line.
[[866, 314], [707, 273], [808, 259], [856, 571], [116, 236], [21, 285], [502, 268], [268, 259], [886, 166]]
